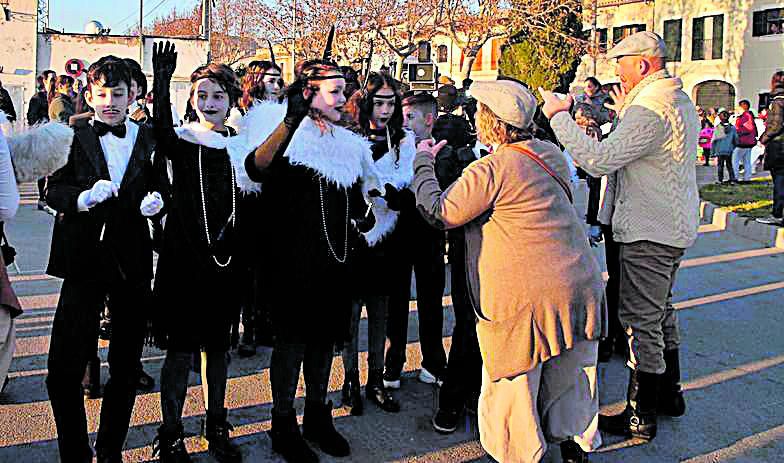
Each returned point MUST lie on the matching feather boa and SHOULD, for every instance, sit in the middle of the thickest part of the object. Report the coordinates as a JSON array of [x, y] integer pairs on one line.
[[40, 150], [400, 174], [252, 130]]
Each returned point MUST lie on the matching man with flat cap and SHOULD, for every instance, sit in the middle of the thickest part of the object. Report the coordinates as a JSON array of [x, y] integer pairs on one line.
[[656, 217]]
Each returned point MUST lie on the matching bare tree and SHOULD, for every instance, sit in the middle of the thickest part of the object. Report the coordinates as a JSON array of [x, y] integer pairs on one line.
[[470, 24], [401, 25]]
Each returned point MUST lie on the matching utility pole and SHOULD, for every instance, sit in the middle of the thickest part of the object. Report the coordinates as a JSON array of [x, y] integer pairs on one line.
[[141, 32], [206, 29], [595, 36]]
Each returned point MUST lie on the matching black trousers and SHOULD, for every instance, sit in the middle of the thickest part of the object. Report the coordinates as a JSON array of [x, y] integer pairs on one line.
[[611, 249], [725, 161], [778, 192], [463, 379], [427, 262], [73, 340], [316, 358]]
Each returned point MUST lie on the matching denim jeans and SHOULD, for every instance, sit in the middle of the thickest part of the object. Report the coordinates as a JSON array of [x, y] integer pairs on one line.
[[742, 155]]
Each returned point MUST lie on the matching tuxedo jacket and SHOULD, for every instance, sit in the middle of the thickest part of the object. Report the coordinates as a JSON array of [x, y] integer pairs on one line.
[[111, 241]]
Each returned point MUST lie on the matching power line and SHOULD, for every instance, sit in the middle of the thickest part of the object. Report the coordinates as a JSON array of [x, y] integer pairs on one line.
[[155, 7]]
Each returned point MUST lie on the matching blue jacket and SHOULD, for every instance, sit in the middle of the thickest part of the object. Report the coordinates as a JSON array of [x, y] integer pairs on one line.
[[725, 139]]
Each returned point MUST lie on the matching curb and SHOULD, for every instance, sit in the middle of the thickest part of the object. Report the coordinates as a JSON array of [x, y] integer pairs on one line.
[[724, 220]]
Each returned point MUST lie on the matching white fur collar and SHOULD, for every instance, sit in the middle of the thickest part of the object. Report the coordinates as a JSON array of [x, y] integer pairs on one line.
[[252, 130], [338, 154], [399, 174]]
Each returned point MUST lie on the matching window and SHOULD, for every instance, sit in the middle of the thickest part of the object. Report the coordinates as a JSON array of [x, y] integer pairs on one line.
[[601, 39], [768, 22], [764, 101], [703, 47], [443, 54], [672, 39], [620, 33], [477, 66]]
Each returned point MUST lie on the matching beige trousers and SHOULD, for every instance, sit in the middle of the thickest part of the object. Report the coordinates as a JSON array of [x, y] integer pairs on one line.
[[7, 342], [554, 402]]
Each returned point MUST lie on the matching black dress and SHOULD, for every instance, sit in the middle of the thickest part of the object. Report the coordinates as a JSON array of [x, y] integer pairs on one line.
[[196, 284], [308, 226]]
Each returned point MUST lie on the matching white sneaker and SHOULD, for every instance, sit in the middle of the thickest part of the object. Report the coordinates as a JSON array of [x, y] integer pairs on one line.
[[428, 378], [772, 221], [395, 384]]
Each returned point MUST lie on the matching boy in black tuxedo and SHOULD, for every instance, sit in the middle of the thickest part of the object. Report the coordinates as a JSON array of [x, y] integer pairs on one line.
[[101, 248]]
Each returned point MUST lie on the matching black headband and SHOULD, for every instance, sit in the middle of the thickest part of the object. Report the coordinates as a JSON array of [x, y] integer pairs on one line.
[[329, 77]]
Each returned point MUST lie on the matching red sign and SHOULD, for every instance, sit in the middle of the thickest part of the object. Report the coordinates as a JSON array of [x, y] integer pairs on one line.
[[74, 67]]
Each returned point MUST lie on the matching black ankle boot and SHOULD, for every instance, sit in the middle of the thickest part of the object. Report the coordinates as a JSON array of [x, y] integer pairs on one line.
[[170, 446], [572, 453], [351, 393], [605, 350], [217, 435], [318, 426], [670, 401], [639, 418], [92, 390], [287, 440], [378, 394]]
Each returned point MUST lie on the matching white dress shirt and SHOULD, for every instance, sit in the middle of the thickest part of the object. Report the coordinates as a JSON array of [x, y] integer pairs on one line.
[[117, 152]]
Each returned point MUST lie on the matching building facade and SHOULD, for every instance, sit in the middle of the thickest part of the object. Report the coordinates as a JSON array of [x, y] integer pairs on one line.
[[25, 53], [723, 51]]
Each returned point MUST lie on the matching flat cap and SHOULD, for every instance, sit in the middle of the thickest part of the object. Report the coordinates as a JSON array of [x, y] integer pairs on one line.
[[644, 43], [509, 100]]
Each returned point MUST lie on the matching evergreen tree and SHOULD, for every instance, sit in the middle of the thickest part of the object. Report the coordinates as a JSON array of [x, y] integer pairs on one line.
[[545, 55]]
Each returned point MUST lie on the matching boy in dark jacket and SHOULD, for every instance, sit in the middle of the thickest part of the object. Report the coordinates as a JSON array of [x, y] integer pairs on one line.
[[101, 248], [723, 144]]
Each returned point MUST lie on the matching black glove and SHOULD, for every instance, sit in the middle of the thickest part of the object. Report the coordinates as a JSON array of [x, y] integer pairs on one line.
[[393, 197], [366, 223], [164, 60], [298, 106]]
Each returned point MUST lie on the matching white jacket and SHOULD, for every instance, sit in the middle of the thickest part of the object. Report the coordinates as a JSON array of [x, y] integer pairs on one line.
[[654, 150]]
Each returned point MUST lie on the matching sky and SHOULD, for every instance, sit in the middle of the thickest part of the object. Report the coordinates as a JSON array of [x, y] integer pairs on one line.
[[118, 15]]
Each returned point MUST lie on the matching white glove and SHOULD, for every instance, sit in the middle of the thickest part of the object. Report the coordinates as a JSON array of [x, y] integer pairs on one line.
[[100, 192], [151, 204]]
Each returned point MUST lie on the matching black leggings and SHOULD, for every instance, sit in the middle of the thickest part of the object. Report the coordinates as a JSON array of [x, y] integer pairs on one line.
[[174, 383], [287, 357]]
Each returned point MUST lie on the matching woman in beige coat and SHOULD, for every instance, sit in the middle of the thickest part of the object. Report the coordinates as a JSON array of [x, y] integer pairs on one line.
[[535, 285]]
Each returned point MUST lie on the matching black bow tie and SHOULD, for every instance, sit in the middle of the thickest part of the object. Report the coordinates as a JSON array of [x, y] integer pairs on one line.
[[101, 128]]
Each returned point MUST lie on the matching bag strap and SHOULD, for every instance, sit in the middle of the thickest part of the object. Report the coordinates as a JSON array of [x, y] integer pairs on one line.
[[534, 157]]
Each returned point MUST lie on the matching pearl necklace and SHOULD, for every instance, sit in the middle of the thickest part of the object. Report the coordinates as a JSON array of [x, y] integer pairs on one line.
[[324, 226], [204, 208]]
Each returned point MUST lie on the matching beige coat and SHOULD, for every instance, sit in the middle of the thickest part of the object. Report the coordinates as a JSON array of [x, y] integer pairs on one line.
[[534, 282]]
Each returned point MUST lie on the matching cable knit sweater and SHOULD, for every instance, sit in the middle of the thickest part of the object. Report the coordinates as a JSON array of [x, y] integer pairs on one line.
[[653, 149]]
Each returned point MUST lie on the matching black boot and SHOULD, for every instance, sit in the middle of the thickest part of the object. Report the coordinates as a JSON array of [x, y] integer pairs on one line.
[[639, 418], [247, 347], [351, 395], [217, 435], [605, 350], [572, 453], [317, 426], [671, 402], [170, 446], [92, 390], [287, 440], [378, 394]]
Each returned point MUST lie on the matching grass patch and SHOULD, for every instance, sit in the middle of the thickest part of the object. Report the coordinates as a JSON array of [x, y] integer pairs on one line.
[[749, 200]]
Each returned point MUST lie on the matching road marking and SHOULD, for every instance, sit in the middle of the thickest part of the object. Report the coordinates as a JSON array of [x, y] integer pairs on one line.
[[741, 447]]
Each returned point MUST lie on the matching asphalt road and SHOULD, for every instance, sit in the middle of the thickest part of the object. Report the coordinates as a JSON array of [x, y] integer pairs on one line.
[[729, 294]]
